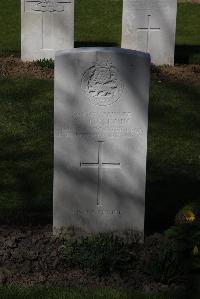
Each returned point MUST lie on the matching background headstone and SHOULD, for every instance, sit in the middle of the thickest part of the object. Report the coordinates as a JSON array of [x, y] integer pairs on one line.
[[46, 26], [100, 145], [150, 26]]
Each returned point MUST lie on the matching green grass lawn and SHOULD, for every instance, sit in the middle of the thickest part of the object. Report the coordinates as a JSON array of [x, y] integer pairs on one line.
[[188, 34], [98, 22], [10, 25], [42, 293], [26, 150], [173, 160]]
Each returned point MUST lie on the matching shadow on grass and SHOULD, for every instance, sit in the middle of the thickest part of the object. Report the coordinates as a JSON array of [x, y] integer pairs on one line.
[[172, 164], [8, 52], [187, 54], [26, 153], [165, 198], [94, 44]]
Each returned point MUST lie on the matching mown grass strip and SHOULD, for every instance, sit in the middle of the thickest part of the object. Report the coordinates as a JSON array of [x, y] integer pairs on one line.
[[49, 293]]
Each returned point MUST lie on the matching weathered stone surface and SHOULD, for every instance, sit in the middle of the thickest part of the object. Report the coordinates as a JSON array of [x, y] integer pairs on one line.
[[46, 26], [150, 26], [101, 118]]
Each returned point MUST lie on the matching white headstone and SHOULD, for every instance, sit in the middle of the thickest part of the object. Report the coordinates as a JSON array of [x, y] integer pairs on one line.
[[46, 26], [150, 26], [100, 145]]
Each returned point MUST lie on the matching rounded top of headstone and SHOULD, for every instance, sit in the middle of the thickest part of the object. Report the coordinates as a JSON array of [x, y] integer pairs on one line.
[[104, 50]]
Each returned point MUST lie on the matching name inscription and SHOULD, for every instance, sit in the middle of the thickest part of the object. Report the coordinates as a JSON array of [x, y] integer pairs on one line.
[[104, 118], [98, 212], [112, 124], [100, 132], [153, 4]]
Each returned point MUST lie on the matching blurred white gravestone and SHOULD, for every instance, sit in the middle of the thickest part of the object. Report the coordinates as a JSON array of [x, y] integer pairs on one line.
[[46, 26], [100, 139], [150, 26]]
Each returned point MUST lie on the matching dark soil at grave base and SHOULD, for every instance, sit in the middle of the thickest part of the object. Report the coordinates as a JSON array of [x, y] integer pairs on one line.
[[11, 67], [14, 68], [189, 74], [189, 1], [32, 256]]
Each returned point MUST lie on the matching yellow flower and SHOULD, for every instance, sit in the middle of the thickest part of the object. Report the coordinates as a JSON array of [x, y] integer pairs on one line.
[[195, 250], [190, 216]]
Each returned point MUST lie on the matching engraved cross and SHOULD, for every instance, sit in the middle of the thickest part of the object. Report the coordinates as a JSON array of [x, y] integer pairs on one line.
[[148, 30], [100, 165], [47, 8]]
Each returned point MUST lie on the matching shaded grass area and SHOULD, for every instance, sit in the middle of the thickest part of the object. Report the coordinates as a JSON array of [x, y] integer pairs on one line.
[[188, 34], [26, 151], [98, 23], [188, 26], [10, 27], [173, 151], [33, 293], [26, 148]]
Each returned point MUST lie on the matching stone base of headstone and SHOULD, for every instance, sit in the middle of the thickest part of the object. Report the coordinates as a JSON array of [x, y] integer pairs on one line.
[[77, 233]]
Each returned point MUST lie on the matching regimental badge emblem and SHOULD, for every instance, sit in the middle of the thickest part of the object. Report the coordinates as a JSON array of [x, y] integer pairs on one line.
[[48, 5], [102, 84]]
